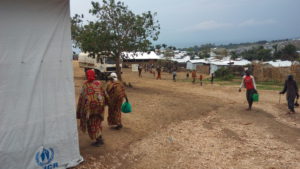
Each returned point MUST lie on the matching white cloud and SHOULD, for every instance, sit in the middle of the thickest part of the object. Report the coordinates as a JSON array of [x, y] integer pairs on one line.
[[253, 22]]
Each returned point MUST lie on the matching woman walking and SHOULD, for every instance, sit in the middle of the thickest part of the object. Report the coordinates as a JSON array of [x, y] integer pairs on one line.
[[90, 108], [249, 83], [116, 94], [291, 89]]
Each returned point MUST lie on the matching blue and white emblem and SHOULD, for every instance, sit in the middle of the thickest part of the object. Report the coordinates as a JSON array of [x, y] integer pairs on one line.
[[44, 157]]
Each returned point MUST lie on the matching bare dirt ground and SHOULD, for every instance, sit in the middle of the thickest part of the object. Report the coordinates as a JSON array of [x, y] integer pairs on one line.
[[183, 125]]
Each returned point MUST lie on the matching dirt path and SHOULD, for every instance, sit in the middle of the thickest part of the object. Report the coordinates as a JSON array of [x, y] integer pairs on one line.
[[181, 125]]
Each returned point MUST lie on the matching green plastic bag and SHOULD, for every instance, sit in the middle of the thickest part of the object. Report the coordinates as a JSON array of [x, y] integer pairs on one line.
[[126, 107], [255, 97]]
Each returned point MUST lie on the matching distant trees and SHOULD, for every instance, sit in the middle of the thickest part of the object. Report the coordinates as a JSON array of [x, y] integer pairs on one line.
[[205, 50], [202, 51], [289, 52], [263, 50], [234, 55], [169, 52], [258, 53], [158, 47], [192, 53]]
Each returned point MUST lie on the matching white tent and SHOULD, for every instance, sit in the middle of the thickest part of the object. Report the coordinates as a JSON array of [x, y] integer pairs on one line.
[[141, 56], [279, 63], [37, 102]]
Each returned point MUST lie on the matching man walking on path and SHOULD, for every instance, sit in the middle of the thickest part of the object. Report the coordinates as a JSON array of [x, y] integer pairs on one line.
[[291, 89], [212, 78], [158, 73], [140, 70], [174, 75], [249, 83], [194, 75]]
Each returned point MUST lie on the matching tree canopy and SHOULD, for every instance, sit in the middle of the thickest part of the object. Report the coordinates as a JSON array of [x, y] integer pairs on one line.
[[115, 30], [258, 53], [289, 52]]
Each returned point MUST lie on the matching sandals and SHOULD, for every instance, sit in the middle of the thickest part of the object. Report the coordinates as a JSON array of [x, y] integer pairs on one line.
[[118, 127], [99, 142]]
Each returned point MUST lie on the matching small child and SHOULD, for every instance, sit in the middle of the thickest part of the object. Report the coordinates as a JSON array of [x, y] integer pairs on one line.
[[187, 75], [200, 78], [194, 76], [174, 75]]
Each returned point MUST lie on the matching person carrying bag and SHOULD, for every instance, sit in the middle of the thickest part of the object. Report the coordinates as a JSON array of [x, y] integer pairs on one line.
[[251, 93]]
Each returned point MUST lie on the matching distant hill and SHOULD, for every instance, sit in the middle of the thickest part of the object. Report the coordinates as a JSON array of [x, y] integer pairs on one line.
[[295, 42]]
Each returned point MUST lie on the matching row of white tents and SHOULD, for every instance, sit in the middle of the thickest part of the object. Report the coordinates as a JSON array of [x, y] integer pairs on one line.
[[213, 62]]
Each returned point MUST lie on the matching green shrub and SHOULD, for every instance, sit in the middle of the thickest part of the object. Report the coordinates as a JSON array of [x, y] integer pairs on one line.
[[224, 74]]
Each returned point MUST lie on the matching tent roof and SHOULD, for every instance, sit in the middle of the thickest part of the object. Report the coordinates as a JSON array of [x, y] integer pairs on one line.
[[279, 63], [221, 62], [183, 60]]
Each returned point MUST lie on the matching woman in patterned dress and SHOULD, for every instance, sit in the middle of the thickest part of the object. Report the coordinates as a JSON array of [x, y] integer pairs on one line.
[[90, 108], [116, 93]]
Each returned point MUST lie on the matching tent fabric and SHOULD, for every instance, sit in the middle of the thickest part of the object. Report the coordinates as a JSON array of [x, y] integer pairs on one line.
[[37, 103]]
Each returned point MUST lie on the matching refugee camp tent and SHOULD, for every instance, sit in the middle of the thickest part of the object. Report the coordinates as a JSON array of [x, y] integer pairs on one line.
[[192, 64], [37, 109], [140, 57], [217, 64], [279, 63]]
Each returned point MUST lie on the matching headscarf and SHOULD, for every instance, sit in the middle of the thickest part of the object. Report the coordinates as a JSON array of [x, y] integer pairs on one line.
[[90, 74], [114, 76]]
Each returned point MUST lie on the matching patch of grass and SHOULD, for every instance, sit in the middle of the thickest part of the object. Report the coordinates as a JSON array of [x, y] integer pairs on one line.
[[260, 85], [268, 85]]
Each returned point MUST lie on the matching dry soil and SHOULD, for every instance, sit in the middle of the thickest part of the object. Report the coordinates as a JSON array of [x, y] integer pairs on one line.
[[188, 126]]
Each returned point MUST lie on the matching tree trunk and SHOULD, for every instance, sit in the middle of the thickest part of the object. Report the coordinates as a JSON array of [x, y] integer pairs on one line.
[[118, 71]]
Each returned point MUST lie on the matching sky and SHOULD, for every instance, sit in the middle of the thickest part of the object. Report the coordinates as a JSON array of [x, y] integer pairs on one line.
[[187, 23]]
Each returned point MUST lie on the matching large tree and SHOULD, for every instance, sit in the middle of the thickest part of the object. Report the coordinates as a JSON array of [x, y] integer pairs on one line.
[[289, 52], [116, 30], [257, 53]]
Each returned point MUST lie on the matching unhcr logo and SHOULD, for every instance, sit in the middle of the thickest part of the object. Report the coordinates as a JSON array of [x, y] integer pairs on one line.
[[45, 157]]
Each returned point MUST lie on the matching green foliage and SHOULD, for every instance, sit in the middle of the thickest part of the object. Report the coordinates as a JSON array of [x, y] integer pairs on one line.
[[258, 54], [169, 52], [201, 51], [234, 55], [164, 45], [116, 29], [224, 74], [158, 47], [289, 52]]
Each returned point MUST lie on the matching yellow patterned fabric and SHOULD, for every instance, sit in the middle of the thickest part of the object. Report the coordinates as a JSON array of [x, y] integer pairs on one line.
[[116, 93]]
